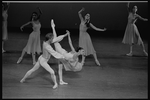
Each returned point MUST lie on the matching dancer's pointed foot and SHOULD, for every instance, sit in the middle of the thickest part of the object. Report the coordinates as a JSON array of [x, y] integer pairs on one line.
[[129, 54], [62, 83], [19, 60], [3, 51], [97, 62], [146, 54], [55, 86], [34, 62], [22, 81]]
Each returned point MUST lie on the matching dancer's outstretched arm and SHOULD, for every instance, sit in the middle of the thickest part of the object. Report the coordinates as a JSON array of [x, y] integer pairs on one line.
[[144, 19], [80, 15], [70, 42], [25, 25], [97, 29]]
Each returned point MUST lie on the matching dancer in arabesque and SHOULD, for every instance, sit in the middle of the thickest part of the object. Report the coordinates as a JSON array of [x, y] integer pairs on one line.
[[132, 35], [84, 38]]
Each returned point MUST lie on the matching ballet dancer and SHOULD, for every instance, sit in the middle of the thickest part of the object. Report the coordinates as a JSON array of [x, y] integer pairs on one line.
[[84, 38], [33, 45], [71, 57], [5, 7], [44, 58], [132, 35]]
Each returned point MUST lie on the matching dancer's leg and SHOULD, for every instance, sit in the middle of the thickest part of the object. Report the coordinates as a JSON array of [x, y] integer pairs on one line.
[[61, 82], [130, 53], [144, 49], [96, 60], [36, 66], [51, 71], [3, 47], [21, 57], [33, 57]]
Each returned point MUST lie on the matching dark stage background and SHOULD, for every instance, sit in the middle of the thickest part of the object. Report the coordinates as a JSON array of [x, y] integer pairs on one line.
[[112, 16]]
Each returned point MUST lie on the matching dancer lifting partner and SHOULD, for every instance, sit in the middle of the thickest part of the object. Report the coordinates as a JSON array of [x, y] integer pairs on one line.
[[44, 58], [33, 45], [84, 38], [132, 35]]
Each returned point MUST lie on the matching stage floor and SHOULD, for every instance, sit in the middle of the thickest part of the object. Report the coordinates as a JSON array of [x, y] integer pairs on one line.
[[119, 76]]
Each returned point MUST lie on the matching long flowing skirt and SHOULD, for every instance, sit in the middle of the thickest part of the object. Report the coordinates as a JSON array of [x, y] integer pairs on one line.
[[34, 45], [86, 43], [132, 35]]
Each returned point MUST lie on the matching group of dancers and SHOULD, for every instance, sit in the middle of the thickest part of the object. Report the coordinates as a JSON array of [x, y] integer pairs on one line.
[[68, 60]]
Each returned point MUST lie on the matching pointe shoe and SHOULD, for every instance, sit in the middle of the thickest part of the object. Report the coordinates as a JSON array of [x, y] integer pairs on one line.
[[146, 54], [129, 54], [97, 62], [22, 81], [34, 63], [3, 51], [55, 86], [62, 83], [19, 60]]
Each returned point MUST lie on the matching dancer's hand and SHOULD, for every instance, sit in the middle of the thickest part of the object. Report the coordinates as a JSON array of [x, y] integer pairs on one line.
[[146, 19], [21, 28], [52, 23], [104, 29], [67, 32], [83, 9]]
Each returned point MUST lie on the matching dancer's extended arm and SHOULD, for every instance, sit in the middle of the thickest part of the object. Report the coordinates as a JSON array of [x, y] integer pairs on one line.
[[144, 19], [80, 15], [97, 29], [25, 25]]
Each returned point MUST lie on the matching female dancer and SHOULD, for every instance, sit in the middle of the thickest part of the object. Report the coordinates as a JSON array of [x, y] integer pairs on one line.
[[34, 45], [132, 35], [84, 38], [5, 7], [72, 59], [43, 59]]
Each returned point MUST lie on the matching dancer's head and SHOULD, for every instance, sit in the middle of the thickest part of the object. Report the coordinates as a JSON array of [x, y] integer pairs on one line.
[[87, 17], [49, 37], [34, 16], [80, 51], [134, 9]]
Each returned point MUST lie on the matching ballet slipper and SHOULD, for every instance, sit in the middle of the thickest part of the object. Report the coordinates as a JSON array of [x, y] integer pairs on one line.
[[129, 54], [97, 62], [3, 51], [55, 86], [146, 54], [19, 60], [22, 81], [34, 63], [62, 83]]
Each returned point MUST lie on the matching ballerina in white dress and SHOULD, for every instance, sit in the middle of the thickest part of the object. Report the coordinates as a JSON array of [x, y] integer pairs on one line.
[[84, 38], [34, 44], [132, 35]]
